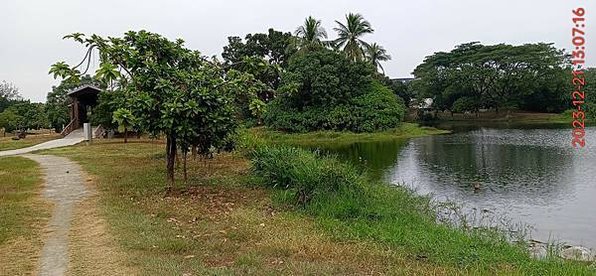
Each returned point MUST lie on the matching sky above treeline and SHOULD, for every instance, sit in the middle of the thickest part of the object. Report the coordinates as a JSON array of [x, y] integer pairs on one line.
[[31, 31]]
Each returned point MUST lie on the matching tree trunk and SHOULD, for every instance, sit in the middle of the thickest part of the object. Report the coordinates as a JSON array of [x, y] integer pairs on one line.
[[194, 152], [184, 166], [125, 135], [170, 158]]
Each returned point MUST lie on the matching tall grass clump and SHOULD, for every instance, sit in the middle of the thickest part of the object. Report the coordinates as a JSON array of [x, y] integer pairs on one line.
[[350, 206]]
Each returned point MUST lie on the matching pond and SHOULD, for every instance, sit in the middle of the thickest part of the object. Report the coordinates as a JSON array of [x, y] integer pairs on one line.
[[530, 174]]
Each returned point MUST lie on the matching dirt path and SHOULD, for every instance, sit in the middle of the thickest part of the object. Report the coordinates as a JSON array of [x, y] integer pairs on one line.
[[76, 240], [64, 186]]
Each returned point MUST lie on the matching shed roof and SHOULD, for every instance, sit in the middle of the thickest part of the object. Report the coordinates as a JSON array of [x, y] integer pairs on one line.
[[84, 90]]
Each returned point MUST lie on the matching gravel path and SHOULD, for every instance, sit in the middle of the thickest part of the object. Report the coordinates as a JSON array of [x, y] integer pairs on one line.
[[64, 186]]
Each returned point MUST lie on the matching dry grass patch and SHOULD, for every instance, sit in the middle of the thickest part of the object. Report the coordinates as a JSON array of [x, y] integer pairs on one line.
[[23, 216]]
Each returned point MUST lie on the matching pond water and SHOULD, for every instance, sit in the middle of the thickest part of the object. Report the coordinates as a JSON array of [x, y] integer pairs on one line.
[[530, 174]]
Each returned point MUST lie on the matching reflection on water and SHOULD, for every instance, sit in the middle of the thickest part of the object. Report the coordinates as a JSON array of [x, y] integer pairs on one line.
[[532, 175]]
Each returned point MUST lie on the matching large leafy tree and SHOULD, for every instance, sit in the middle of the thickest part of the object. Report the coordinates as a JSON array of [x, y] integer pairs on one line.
[[350, 35], [274, 46], [171, 90], [495, 76], [375, 54], [311, 35], [260, 57], [28, 115], [325, 90]]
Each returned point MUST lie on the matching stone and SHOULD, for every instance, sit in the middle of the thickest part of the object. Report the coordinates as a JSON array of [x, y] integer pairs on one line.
[[577, 253]]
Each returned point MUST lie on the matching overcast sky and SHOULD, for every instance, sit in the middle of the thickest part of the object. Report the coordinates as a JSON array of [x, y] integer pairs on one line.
[[31, 31]]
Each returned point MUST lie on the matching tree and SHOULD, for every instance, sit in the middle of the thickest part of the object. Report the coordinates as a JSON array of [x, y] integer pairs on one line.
[[10, 121], [375, 54], [125, 120], [262, 56], [311, 34], [496, 76], [325, 90], [275, 46], [324, 77], [171, 90], [350, 35], [9, 93]]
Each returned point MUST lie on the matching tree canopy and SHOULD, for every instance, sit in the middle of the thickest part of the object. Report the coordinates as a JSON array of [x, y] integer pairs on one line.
[[171, 90], [529, 76]]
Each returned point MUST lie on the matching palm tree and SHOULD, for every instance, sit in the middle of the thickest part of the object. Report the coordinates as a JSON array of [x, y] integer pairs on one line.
[[350, 35], [375, 53], [311, 33]]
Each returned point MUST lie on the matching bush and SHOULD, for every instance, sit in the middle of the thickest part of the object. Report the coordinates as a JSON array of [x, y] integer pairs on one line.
[[377, 109], [307, 176]]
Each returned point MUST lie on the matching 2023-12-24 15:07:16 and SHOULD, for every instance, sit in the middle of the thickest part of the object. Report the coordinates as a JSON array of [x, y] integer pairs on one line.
[[578, 60]]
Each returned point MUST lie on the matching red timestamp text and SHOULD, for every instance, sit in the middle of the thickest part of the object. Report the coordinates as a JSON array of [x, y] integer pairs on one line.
[[578, 95]]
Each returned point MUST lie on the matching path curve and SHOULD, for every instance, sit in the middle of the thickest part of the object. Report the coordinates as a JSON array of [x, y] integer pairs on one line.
[[64, 186], [71, 139]]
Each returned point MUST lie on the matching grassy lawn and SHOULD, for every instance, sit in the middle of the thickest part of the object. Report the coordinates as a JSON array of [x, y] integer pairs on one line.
[[404, 130], [22, 215], [6, 143], [221, 222]]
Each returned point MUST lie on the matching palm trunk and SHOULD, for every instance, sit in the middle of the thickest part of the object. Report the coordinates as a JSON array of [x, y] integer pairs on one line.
[[125, 135]]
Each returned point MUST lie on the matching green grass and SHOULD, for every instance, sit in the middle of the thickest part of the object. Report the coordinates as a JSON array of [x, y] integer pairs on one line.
[[228, 220], [321, 138], [352, 207], [22, 215], [6, 143], [218, 222]]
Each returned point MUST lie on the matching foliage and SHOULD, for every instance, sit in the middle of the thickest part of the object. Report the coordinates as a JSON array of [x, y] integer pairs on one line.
[[307, 176], [258, 61], [24, 115], [375, 54], [590, 93], [171, 90], [465, 104], [325, 90], [9, 93], [401, 89], [125, 120], [107, 103], [529, 76], [275, 47], [378, 109], [350, 35], [311, 35], [10, 121], [324, 78]]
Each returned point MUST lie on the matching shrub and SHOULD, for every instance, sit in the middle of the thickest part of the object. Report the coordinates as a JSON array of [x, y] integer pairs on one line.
[[307, 176], [376, 109]]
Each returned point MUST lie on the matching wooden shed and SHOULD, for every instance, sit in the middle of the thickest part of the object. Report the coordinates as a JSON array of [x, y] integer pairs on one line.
[[83, 100]]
